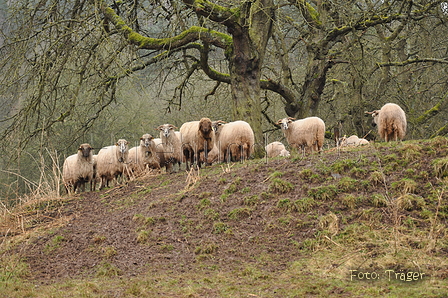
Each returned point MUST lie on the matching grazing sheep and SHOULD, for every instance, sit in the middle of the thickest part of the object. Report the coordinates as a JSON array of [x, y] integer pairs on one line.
[[352, 140], [78, 169], [143, 156], [234, 140], [307, 134], [391, 122], [112, 162], [172, 146], [197, 137], [276, 149]]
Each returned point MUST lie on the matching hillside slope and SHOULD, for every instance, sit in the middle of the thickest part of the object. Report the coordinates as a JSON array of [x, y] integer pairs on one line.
[[284, 227]]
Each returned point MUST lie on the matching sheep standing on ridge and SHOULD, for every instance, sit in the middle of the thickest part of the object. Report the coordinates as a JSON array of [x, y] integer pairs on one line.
[[143, 156], [78, 169], [112, 162], [391, 122], [275, 149], [234, 140], [197, 137], [172, 146], [307, 134]]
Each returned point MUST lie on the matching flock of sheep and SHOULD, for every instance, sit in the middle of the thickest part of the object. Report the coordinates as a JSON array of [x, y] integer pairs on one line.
[[204, 141]]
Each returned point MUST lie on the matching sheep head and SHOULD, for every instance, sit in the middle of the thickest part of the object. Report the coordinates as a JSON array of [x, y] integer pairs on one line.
[[165, 129], [374, 114], [216, 125], [284, 122], [145, 140], [205, 126], [85, 149]]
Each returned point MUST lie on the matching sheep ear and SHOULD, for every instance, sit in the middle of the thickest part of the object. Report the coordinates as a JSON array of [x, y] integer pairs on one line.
[[279, 122], [159, 128], [291, 118], [370, 113]]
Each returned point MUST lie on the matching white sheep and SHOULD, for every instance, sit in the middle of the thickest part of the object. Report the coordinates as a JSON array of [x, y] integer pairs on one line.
[[391, 122], [276, 149], [112, 162], [172, 146], [353, 140], [197, 137], [234, 140], [143, 157], [78, 169], [307, 134]]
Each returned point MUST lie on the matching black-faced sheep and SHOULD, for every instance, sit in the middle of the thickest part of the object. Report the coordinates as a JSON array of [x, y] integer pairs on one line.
[[112, 162], [197, 137], [234, 140], [307, 134], [143, 157], [275, 149], [172, 146], [78, 169], [391, 122]]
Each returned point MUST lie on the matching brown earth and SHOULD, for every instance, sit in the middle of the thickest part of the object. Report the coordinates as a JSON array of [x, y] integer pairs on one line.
[[224, 216]]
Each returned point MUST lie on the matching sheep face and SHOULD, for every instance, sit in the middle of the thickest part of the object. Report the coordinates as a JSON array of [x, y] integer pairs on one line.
[[85, 150], [166, 129], [285, 122], [145, 140], [122, 148], [205, 126], [375, 115]]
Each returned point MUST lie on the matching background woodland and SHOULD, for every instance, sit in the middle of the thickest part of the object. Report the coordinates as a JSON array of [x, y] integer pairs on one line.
[[96, 71]]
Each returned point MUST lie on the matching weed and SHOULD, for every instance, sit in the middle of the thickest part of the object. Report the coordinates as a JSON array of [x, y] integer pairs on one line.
[[404, 186], [349, 201], [266, 196], [239, 213], [251, 200], [166, 247], [323, 193], [329, 222], [284, 204], [211, 214], [13, 267], [440, 167], [378, 200], [204, 203], [54, 243], [204, 195], [305, 204], [411, 152], [109, 252], [220, 227], [209, 248], [143, 236], [358, 172], [306, 174], [245, 190], [106, 269], [280, 186], [347, 184], [276, 174], [410, 202], [376, 178], [343, 165]]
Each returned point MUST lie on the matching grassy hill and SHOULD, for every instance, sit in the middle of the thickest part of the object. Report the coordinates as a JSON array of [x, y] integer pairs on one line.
[[361, 222]]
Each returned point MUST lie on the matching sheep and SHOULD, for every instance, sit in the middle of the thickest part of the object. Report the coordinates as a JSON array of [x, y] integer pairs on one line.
[[307, 134], [197, 137], [234, 140], [172, 146], [391, 122], [143, 156], [353, 140], [78, 169], [276, 149], [112, 162]]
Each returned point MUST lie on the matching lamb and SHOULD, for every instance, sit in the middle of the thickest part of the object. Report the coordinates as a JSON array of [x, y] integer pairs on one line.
[[275, 149], [353, 140], [143, 156], [172, 146], [78, 169], [234, 140], [197, 137], [391, 122], [112, 162], [307, 134]]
